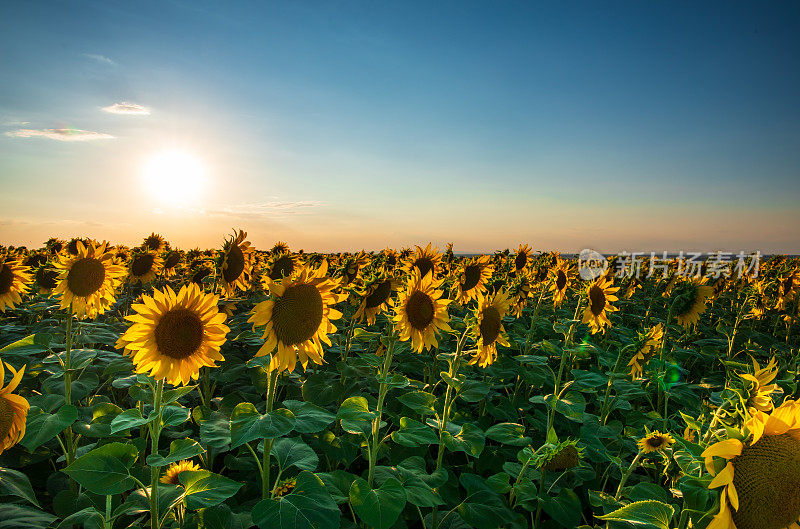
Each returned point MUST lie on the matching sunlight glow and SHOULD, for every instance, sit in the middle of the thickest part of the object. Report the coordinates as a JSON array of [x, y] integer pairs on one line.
[[174, 177]]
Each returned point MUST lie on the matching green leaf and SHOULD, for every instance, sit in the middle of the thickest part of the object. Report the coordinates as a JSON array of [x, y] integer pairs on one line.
[[413, 433], [378, 508], [473, 391], [469, 439], [86, 518], [178, 451], [564, 508], [309, 506], [355, 416], [15, 483], [249, 425], [105, 470], [508, 433], [215, 432], [129, 419], [294, 452], [41, 426], [216, 517], [206, 489], [27, 347], [173, 415], [14, 516], [419, 401], [309, 418], [649, 513]]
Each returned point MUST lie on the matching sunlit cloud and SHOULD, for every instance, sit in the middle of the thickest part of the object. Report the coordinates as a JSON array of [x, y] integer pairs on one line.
[[100, 58], [60, 134], [126, 107], [272, 209]]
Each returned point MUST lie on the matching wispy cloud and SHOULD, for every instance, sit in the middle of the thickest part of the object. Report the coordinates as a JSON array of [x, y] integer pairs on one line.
[[60, 134], [126, 107], [100, 58], [273, 209], [14, 123]]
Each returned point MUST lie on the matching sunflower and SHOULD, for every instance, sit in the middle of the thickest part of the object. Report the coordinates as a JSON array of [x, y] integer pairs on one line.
[[522, 257], [601, 294], [279, 248], [559, 457], [633, 285], [424, 261], [761, 478], [376, 297], [655, 442], [72, 245], [421, 311], [13, 410], [172, 263], [236, 263], [690, 301], [560, 281], [46, 280], [519, 292], [474, 276], [153, 243], [145, 266], [281, 265], [87, 281], [174, 335], [298, 317], [14, 280], [389, 259], [759, 389], [170, 477], [646, 347], [285, 487], [351, 267], [489, 329], [787, 289], [54, 246]]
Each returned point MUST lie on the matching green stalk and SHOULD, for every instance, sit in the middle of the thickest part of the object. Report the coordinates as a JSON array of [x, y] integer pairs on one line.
[[376, 423], [273, 383], [627, 474], [534, 316], [155, 433]]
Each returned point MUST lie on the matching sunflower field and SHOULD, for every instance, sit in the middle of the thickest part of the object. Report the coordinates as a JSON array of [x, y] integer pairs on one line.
[[233, 387]]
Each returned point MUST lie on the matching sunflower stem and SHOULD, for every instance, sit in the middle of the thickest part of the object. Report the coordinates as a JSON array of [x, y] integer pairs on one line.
[[541, 494], [627, 474], [532, 328], [376, 423], [155, 433], [271, 389]]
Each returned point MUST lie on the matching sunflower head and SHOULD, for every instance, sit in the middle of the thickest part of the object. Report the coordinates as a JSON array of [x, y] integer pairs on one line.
[[424, 260], [13, 409], [375, 298], [46, 279], [689, 301], [561, 456], [522, 258], [285, 487], [473, 278], [281, 265], [297, 318], [488, 331], [172, 263], [421, 312], [560, 279], [655, 442], [54, 246], [600, 294], [279, 247], [14, 280], [236, 263], [144, 267], [170, 477], [758, 389], [88, 280], [645, 347], [153, 243], [173, 335]]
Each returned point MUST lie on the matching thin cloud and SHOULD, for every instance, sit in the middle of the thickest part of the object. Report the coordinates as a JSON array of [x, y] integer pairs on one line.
[[16, 123], [268, 209], [99, 58], [126, 107], [60, 134]]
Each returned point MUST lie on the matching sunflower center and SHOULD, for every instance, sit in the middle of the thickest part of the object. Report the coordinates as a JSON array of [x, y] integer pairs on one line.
[[566, 458], [153, 243], [86, 276], [6, 279], [472, 275], [424, 265], [597, 300], [767, 478], [561, 280], [179, 333], [282, 267], [6, 418], [46, 278], [142, 264], [520, 260], [172, 260], [490, 325], [297, 314], [235, 260], [379, 295], [419, 309], [655, 441]]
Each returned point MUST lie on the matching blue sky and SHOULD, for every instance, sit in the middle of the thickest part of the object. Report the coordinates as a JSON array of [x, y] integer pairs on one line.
[[349, 125]]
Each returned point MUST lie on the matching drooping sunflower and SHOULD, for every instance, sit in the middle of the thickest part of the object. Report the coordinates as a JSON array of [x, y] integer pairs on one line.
[[281, 265], [424, 260], [153, 243], [236, 263], [759, 390], [559, 457], [170, 477], [352, 266], [761, 478], [561, 279], [297, 317], [473, 278], [489, 331], [646, 345], [655, 442], [13, 409], [787, 288], [759, 300], [174, 335], [689, 300], [522, 257], [88, 280], [420, 311], [375, 298], [145, 266], [172, 263], [601, 293], [14, 280]]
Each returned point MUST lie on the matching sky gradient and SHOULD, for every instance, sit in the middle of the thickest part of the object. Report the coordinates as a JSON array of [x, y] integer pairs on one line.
[[639, 126]]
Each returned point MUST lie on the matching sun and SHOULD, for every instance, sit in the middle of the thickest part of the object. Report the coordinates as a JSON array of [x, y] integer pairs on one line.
[[174, 177]]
